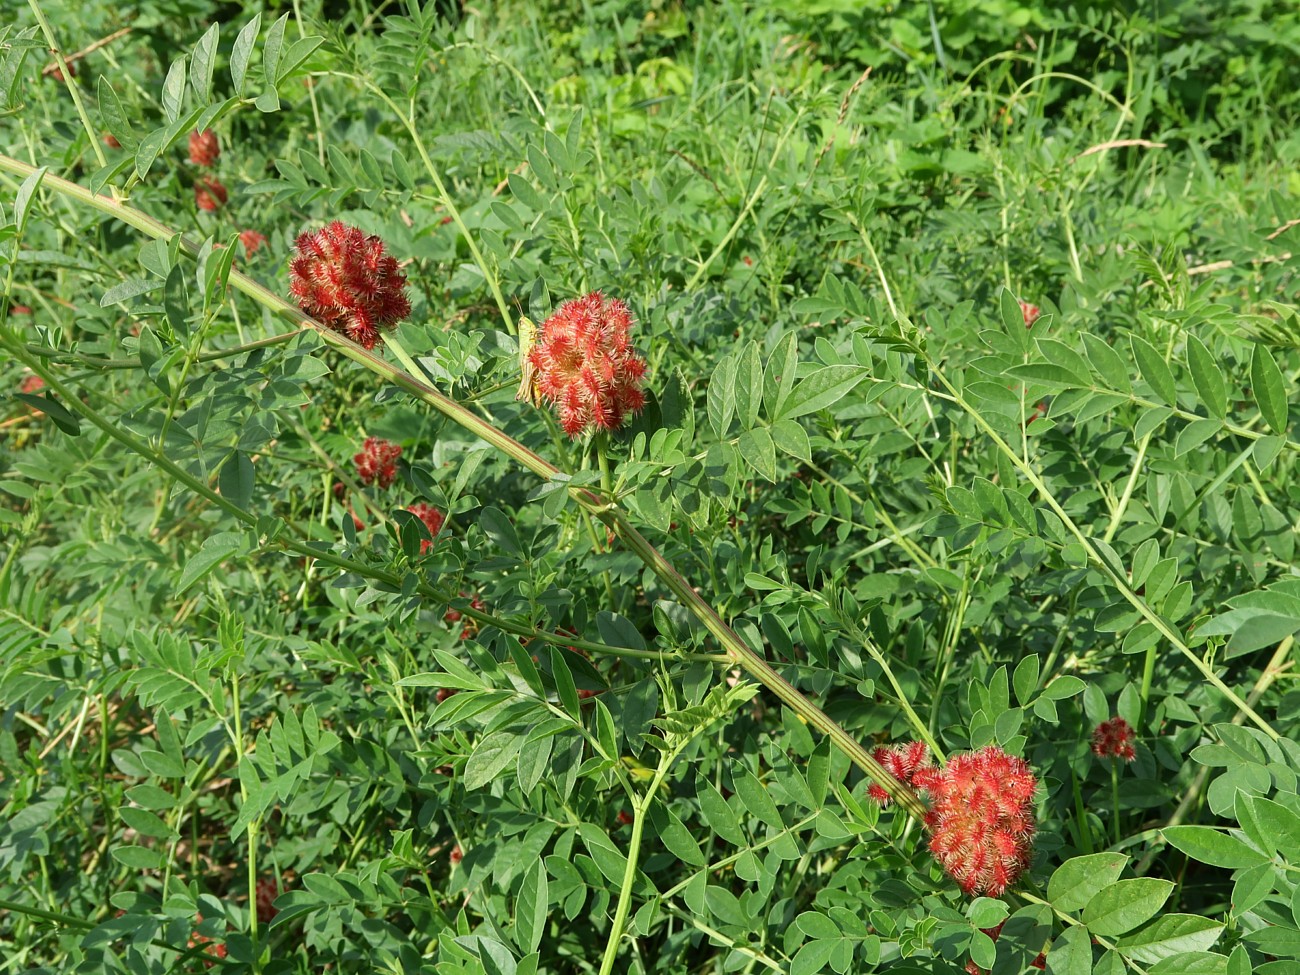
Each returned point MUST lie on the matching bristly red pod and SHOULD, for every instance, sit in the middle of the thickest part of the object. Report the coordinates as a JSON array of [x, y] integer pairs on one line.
[[981, 816], [252, 241], [585, 366], [432, 518], [210, 194], [1114, 739], [345, 280], [376, 463], [204, 148]]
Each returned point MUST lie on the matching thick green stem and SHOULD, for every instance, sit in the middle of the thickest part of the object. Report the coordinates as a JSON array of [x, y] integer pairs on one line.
[[602, 508]]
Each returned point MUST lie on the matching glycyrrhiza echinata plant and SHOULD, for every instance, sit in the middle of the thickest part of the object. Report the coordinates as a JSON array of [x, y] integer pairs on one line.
[[294, 697]]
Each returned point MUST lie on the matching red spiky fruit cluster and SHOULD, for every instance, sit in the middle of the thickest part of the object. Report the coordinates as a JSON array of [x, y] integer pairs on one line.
[[900, 761], [343, 279], [268, 889], [210, 194], [214, 949], [585, 365], [1031, 313], [981, 818], [204, 148], [1114, 739], [432, 518], [252, 240], [377, 462]]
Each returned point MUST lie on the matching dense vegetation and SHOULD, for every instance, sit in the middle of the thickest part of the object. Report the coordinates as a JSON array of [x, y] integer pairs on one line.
[[942, 391]]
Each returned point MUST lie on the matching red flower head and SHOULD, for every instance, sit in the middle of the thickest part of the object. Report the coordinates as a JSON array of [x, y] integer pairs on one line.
[[344, 279], [377, 462], [251, 240], [585, 364], [1031, 313], [981, 818], [268, 889], [900, 761], [432, 518], [204, 148], [210, 195], [1114, 739]]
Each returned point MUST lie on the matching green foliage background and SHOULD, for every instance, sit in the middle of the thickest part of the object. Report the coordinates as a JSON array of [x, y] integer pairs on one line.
[[931, 519]]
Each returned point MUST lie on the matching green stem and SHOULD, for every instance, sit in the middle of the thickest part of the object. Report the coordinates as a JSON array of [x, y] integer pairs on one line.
[[73, 90], [748, 659]]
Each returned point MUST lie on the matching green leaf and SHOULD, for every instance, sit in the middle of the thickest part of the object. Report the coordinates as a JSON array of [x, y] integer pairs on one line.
[[204, 60], [813, 957], [1269, 389], [1209, 845], [1169, 935], [759, 451], [791, 438], [1207, 377], [1108, 363], [1071, 953], [1077, 880], [490, 758], [241, 54], [531, 908], [215, 550], [272, 48], [56, 411], [236, 479], [298, 52], [1024, 680], [720, 400], [1125, 904], [173, 93], [821, 389], [139, 857], [1191, 963], [1154, 369], [778, 379], [755, 797], [749, 385], [1277, 823], [114, 117]]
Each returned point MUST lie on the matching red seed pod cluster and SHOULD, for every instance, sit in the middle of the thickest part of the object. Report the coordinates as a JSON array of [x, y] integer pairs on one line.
[[252, 241], [377, 462], [204, 148], [981, 816], [1114, 739], [1031, 313], [210, 194], [900, 761], [345, 280], [268, 889], [432, 518], [214, 949], [31, 384], [585, 365]]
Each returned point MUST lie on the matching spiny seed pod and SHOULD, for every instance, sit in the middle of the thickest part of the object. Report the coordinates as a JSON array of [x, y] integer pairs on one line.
[[981, 818], [1114, 739], [343, 279], [585, 367], [252, 240], [210, 194], [377, 462], [900, 761], [432, 518], [204, 148]]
